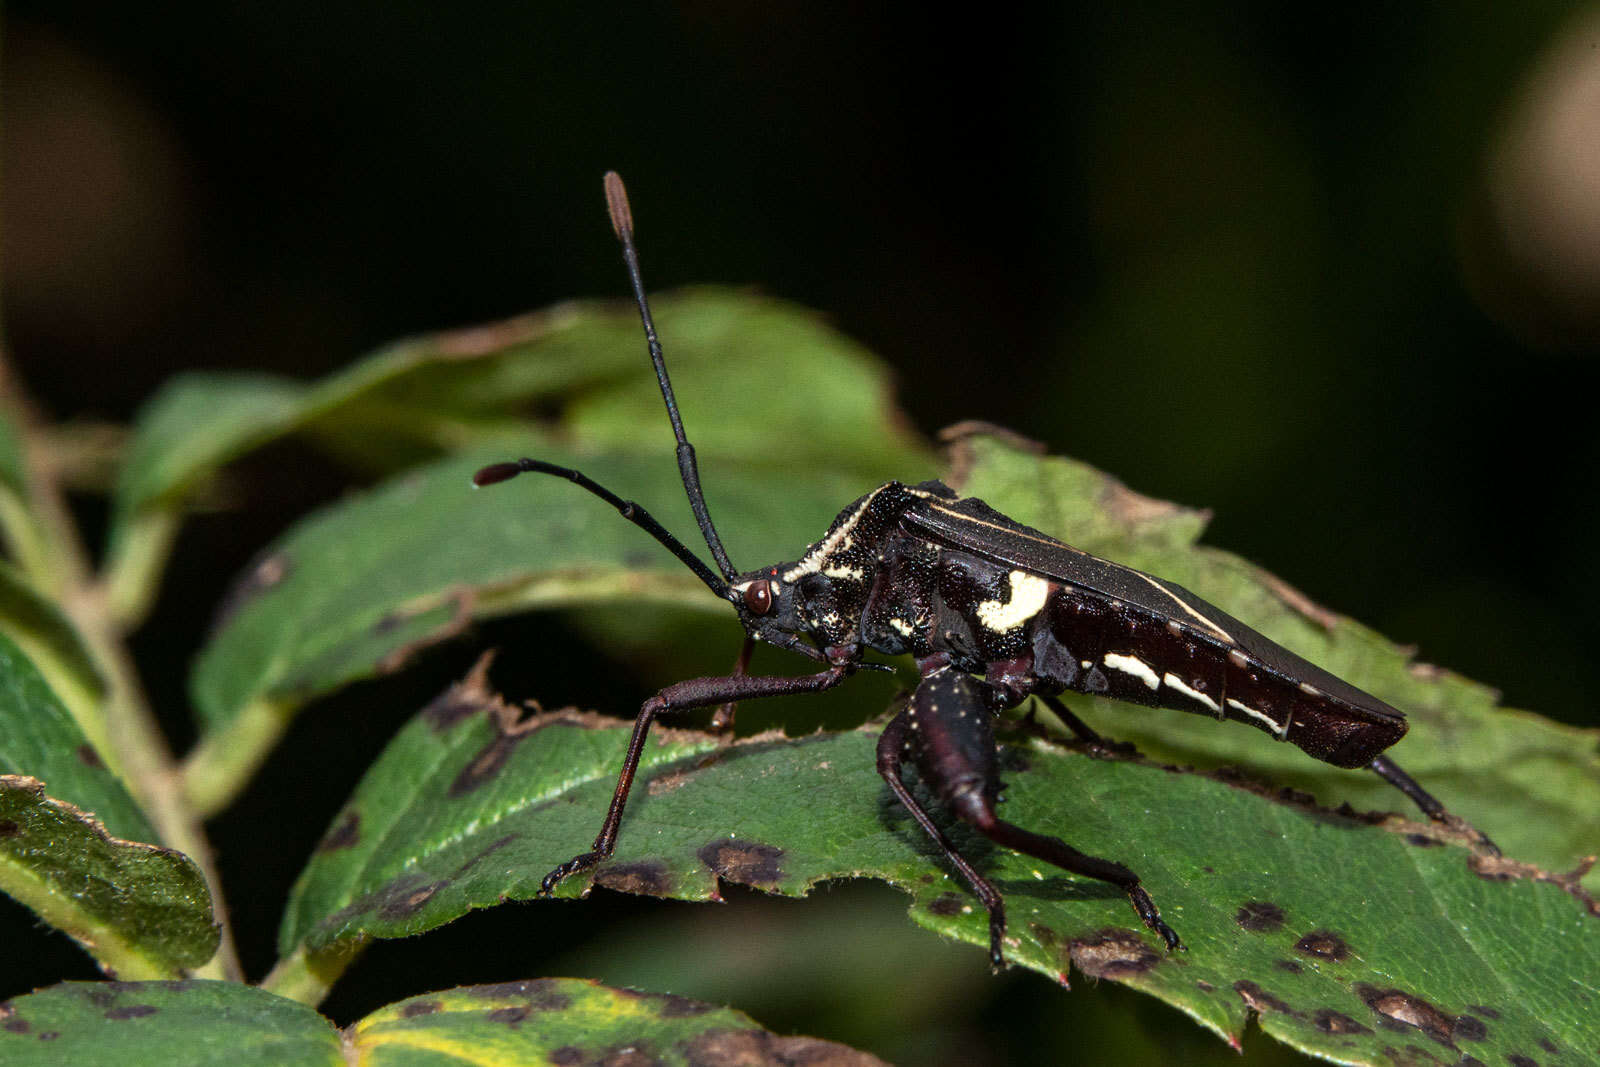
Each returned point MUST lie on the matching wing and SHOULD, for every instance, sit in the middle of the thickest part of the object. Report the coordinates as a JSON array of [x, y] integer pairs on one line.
[[970, 525]]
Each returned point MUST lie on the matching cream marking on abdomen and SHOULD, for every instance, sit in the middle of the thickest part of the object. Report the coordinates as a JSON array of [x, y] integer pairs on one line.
[[1254, 714], [1172, 681], [1135, 666]]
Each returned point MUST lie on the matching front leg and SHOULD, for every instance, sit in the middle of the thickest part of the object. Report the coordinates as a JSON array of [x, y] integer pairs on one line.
[[694, 693], [946, 729]]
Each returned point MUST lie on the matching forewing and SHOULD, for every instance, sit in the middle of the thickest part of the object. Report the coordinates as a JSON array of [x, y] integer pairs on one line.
[[970, 525]]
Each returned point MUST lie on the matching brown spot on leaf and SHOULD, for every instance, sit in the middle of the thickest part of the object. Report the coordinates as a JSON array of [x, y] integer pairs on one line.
[[744, 862], [566, 1056], [960, 451], [1113, 952], [1483, 1010], [471, 695], [420, 1007], [1205, 986], [1044, 935], [510, 1016], [16, 1026], [757, 1048], [666, 783], [1259, 1000], [402, 902], [262, 574], [946, 904], [491, 338], [447, 709], [1323, 945], [1298, 601], [1422, 841], [539, 994], [9, 828], [464, 698], [1132, 509], [1400, 1009], [1548, 1045], [49, 1035], [89, 757], [343, 834], [461, 602], [1288, 966], [1518, 1060], [673, 1006], [646, 878], [628, 1056], [131, 1011], [1335, 1022], [1259, 916], [1469, 1028], [1495, 868]]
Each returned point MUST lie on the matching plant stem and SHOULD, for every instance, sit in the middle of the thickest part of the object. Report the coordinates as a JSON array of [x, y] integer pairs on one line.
[[141, 749], [307, 976]]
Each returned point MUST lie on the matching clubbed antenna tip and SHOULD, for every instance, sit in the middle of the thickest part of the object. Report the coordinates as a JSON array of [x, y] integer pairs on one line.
[[617, 206], [496, 472]]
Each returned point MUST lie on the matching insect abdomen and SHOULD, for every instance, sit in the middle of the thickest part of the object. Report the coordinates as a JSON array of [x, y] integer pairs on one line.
[[1093, 645]]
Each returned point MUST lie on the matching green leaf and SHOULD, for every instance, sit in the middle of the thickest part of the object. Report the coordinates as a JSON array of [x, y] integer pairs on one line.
[[40, 739], [557, 1020], [196, 423], [357, 588], [140, 910], [353, 588], [1344, 936], [732, 351], [52, 643], [1533, 785], [13, 478], [26, 539], [73, 844], [540, 1021], [89, 1024]]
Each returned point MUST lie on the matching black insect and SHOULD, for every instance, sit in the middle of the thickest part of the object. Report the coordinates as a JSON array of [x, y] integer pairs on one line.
[[993, 612]]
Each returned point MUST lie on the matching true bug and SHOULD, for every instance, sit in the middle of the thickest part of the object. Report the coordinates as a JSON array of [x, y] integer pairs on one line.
[[993, 612]]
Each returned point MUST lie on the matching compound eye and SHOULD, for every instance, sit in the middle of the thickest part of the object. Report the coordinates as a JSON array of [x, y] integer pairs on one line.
[[759, 596]]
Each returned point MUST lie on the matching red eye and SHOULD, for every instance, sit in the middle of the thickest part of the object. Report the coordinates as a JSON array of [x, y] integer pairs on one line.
[[758, 597]]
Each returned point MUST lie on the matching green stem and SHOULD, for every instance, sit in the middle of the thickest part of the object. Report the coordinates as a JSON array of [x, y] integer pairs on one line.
[[218, 767], [307, 976], [140, 749], [132, 571]]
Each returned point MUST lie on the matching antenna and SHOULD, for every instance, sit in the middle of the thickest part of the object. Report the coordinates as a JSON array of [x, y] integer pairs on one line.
[[500, 472], [622, 224]]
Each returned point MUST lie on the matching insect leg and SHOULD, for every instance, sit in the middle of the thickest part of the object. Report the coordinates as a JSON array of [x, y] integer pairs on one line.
[[722, 719], [949, 734], [890, 746], [1080, 729], [694, 693], [1389, 771]]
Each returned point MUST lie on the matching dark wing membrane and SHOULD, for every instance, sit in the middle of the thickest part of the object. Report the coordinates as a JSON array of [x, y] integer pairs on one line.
[[972, 526]]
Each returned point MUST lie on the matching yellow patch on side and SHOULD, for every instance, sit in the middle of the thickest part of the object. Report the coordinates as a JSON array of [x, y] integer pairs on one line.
[[1028, 594]]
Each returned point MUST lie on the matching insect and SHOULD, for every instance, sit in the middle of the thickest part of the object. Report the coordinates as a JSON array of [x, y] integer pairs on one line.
[[993, 612]]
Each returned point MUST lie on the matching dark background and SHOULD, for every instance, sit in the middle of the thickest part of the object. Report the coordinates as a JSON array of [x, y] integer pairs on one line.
[[1331, 273]]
